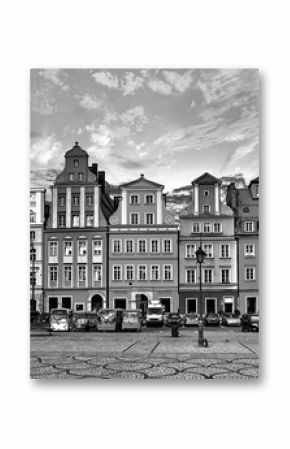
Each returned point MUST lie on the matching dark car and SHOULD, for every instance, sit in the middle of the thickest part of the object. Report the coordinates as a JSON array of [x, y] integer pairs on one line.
[[34, 315], [84, 321], [250, 322], [212, 319]]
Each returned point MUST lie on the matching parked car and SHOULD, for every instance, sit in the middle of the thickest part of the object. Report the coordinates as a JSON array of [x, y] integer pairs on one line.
[[34, 315], [60, 320], [84, 321], [191, 319], [212, 319], [250, 322], [165, 318], [229, 319], [132, 320], [109, 320]]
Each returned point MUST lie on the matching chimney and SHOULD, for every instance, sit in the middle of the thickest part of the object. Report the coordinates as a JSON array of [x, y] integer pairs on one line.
[[101, 179], [94, 169]]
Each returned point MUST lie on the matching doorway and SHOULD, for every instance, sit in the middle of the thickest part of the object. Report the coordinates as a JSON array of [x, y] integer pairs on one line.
[[251, 304], [142, 303], [52, 303], [191, 305], [120, 303], [210, 305], [166, 303], [66, 302], [97, 303], [32, 305]]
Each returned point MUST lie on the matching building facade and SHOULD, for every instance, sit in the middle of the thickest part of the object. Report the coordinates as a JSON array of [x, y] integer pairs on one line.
[[75, 238], [143, 248], [37, 219], [208, 223], [245, 205]]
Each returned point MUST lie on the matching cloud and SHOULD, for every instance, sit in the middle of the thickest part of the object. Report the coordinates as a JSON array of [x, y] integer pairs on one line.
[[42, 102], [131, 83], [106, 79], [180, 82], [134, 117], [54, 75], [160, 87], [91, 102], [46, 152]]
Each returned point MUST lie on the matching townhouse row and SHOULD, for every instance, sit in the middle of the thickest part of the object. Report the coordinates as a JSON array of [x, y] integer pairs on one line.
[[96, 246]]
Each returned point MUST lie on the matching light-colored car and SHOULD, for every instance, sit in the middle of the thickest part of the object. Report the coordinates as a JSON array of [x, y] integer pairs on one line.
[[60, 320], [229, 319], [191, 319], [132, 320]]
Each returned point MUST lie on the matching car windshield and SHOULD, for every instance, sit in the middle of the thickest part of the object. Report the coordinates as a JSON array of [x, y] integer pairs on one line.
[[155, 311], [131, 314], [81, 316], [107, 312]]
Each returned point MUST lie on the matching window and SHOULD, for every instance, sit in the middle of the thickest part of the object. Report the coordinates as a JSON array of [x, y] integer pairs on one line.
[[206, 209], [129, 246], [82, 248], [148, 199], [167, 276], [61, 221], [196, 227], [134, 219], [225, 275], [142, 272], [97, 273], [33, 254], [75, 221], [71, 176], [89, 200], [62, 200], [82, 275], [76, 200], [191, 305], [208, 250], [208, 276], [53, 249], [190, 277], [117, 272], [32, 196], [90, 220], [155, 272], [68, 248], [32, 235], [53, 276], [225, 251], [81, 176], [76, 162], [134, 199], [67, 276], [167, 246], [249, 226], [249, 249], [117, 246], [32, 217], [155, 246], [142, 247], [206, 192], [97, 247], [149, 220], [79, 307], [217, 227], [206, 227], [130, 272], [250, 274], [190, 251]]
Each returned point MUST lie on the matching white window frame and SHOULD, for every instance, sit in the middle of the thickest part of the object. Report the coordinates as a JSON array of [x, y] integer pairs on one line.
[[138, 198], [249, 223], [61, 220], [191, 299], [254, 273], [186, 251], [55, 244], [72, 276], [120, 246], [93, 247], [158, 246], [205, 304], [138, 218], [79, 304], [211, 252], [57, 277], [257, 302], [163, 246], [94, 265], [247, 254], [210, 227], [221, 251], [80, 244], [133, 246], [145, 218], [221, 275], [198, 224], [133, 272], [73, 216], [220, 225], [86, 275], [138, 272], [113, 273], [186, 275], [145, 198], [151, 272], [171, 272], [206, 205], [138, 246], [212, 275]]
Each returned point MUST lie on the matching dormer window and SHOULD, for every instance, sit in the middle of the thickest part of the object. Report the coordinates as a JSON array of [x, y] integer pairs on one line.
[[71, 176], [76, 162], [81, 176], [206, 209], [206, 192]]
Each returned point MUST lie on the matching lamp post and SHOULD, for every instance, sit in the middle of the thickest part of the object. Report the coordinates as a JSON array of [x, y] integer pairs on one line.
[[200, 255], [32, 277]]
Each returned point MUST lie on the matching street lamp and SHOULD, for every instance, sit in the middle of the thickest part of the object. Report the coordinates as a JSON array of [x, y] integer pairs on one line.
[[200, 255]]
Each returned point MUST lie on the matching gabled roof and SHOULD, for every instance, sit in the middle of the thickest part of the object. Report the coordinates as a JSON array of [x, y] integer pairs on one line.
[[206, 178], [142, 179], [76, 151], [255, 181]]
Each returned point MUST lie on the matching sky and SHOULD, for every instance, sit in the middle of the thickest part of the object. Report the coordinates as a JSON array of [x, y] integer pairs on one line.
[[170, 125]]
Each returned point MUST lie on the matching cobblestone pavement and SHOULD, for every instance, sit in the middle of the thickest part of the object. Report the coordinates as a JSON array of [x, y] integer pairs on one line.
[[231, 355]]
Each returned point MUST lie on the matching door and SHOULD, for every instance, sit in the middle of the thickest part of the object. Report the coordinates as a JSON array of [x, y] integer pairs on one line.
[[52, 303], [251, 304], [210, 305], [191, 305], [97, 303], [166, 303], [120, 303]]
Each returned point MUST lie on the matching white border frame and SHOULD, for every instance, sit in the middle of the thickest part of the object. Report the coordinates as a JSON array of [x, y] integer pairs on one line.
[[186, 304]]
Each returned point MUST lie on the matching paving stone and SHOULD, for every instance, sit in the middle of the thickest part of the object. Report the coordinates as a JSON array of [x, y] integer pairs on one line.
[[95, 371], [128, 366], [159, 371]]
